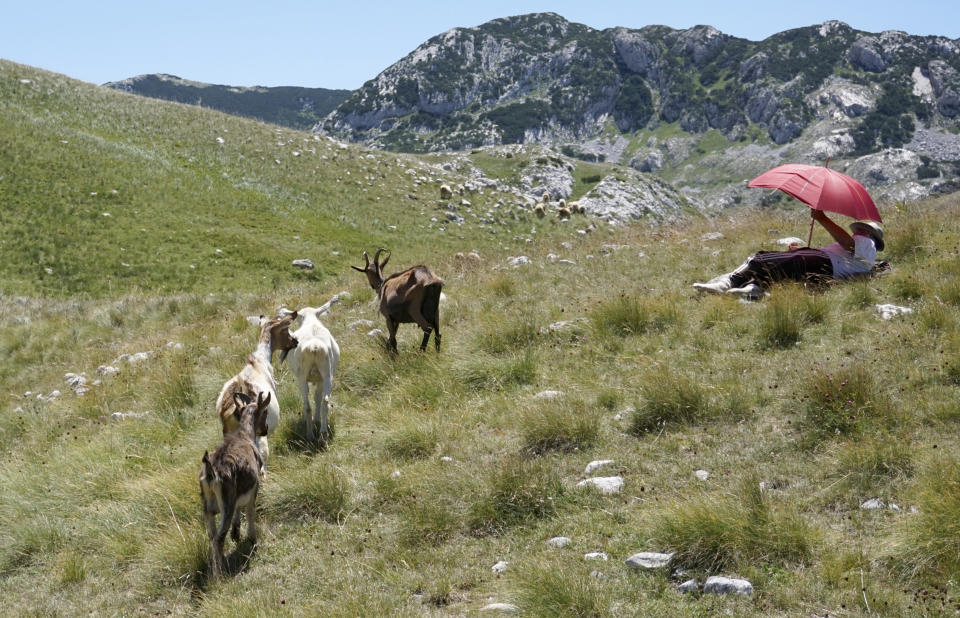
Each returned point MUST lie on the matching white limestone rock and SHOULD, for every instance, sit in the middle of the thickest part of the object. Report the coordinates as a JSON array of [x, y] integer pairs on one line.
[[649, 560], [606, 484], [593, 466], [727, 585]]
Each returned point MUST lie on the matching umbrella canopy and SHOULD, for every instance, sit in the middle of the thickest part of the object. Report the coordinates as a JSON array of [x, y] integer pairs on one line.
[[821, 188]]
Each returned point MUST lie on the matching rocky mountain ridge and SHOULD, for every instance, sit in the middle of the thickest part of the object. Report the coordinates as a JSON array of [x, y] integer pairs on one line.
[[697, 107], [289, 106]]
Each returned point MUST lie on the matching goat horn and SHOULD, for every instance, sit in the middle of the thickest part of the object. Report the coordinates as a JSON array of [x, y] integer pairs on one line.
[[376, 256], [366, 258]]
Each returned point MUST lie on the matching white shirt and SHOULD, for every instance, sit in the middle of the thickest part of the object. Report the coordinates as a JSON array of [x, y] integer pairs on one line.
[[860, 262]]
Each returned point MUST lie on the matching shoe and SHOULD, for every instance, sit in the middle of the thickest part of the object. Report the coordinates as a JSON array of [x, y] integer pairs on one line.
[[751, 291], [717, 285]]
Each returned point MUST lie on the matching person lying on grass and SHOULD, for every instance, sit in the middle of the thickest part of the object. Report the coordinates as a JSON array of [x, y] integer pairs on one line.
[[849, 256]]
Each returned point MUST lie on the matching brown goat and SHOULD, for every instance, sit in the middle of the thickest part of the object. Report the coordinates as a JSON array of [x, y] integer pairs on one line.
[[230, 478], [409, 296]]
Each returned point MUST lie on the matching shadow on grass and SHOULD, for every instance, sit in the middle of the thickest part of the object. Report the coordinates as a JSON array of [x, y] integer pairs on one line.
[[235, 563], [295, 438]]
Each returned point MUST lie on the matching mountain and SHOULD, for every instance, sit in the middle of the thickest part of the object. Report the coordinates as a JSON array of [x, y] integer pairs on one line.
[[669, 101], [289, 106]]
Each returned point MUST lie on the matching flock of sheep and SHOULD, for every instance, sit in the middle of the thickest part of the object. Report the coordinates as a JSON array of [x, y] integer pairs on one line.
[[248, 404]]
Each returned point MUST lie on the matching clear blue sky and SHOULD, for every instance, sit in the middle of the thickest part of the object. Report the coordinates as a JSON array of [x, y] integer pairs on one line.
[[342, 44]]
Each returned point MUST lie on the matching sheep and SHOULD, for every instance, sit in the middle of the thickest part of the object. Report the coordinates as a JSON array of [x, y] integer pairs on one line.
[[256, 377], [409, 296], [546, 198], [576, 208], [230, 478], [314, 360], [540, 211], [445, 192]]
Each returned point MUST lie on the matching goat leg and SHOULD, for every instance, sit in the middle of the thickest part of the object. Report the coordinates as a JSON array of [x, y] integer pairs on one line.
[[426, 337], [321, 403], [235, 526], [307, 420], [392, 328], [226, 517], [252, 532]]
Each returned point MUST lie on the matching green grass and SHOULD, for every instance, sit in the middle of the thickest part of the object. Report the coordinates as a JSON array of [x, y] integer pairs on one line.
[[442, 465]]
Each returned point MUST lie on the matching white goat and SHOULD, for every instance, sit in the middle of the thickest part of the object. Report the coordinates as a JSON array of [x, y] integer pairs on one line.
[[256, 377], [314, 361]]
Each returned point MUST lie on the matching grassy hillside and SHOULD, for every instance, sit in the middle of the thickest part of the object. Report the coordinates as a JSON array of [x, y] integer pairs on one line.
[[442, 465]]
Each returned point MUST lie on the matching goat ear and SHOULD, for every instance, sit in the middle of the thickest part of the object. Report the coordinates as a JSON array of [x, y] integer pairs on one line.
[[206, 458], [358, 269], [241, 399], [263, 402]]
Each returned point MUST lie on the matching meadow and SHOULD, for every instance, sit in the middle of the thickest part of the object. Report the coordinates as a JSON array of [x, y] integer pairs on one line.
[[801, 407]]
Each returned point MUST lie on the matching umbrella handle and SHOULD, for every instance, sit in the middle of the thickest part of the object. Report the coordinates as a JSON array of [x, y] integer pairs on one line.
[[812, 221]]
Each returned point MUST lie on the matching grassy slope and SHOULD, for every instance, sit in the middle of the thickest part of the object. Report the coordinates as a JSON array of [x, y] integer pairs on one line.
[[103, 516]]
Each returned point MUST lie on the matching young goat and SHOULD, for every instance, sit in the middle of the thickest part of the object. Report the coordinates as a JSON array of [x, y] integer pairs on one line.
[[409, 296], [314, 360], [230, 478], [256, 377]]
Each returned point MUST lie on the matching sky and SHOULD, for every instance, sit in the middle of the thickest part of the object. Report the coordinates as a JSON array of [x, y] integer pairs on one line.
[[323, 44]]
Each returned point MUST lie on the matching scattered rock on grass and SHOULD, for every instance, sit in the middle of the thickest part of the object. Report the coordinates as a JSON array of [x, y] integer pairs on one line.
[[649, 560], [595, 465], [689, 586], [727, 585], [500, 607], [606, 484], [890, 311], [559, 541]]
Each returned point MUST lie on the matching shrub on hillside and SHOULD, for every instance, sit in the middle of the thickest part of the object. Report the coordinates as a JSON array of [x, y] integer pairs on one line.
[[519, 491], [716, 533], [930, 538], [554, 589], [320, 492], [669, 397], [562, 424], [845, 401], [781, 321], [625, 315]]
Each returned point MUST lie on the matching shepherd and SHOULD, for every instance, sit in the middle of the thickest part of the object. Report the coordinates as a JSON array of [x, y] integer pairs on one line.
[[852, 254]]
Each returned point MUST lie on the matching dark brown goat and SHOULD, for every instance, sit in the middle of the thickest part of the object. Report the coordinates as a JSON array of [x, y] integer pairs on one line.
[[230, 478], [409, 296]]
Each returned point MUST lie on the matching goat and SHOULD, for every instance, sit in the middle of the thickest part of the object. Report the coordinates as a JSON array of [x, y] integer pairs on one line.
[[256, 377], [230, 478], [539, 210], [409, 296], [314, 360]]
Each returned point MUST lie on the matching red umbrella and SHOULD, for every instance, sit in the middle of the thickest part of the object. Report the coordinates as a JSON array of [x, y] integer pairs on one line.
[[821, 188]]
